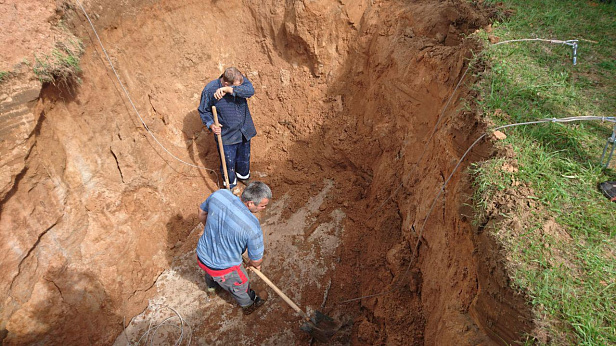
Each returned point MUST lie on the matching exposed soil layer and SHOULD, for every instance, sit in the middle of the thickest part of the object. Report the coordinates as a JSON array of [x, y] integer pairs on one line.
[[360, 122]]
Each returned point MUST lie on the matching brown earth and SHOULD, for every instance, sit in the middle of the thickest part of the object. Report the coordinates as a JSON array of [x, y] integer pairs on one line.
[[360, 123]]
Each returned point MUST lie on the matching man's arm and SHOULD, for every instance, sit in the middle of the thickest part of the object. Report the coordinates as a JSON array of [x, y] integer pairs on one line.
[[205, 109], [256, 264], [251, 263], [255, 249], [244, 90], [202, 216]]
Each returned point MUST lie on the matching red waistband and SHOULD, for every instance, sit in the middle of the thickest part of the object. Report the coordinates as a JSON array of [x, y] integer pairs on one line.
[[222, 272]]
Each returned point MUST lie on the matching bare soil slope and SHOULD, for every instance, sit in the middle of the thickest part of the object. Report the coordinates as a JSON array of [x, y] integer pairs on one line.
[[99, 221]]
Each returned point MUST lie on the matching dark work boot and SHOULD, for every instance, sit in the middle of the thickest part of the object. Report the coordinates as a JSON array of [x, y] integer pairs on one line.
[[211, 285], [257, 303]]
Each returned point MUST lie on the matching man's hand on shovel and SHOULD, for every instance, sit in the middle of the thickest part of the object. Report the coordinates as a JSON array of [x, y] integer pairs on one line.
[[250, 263], [217, 129]]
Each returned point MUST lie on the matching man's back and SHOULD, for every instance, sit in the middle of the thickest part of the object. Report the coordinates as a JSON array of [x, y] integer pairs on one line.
[[230, 229]]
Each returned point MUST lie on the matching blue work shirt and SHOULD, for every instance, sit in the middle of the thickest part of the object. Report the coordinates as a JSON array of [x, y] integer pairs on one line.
[[229, 230], [232, 110]]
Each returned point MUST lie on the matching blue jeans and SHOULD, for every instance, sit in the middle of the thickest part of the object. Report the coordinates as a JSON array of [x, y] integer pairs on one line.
[[237, 157]]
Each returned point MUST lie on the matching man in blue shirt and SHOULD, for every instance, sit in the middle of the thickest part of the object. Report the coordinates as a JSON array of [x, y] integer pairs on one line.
[[230, 229], [229, 93]]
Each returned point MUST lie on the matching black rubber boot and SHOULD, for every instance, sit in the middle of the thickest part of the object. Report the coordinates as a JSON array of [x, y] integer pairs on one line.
[[257, 303]]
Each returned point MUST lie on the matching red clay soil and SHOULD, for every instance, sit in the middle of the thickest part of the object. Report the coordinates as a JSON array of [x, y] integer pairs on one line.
[[359, 125]]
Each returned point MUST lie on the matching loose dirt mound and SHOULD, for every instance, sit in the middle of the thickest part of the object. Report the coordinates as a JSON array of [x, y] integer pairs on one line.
[[348, 96]]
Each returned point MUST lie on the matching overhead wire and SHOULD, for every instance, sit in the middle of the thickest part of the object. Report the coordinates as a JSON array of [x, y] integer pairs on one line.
[[572, 43]]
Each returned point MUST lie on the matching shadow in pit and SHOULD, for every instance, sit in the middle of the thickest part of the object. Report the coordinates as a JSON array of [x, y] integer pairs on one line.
[[201, 147], [182, 236], [67, 308], [371, 146], [65, 92]]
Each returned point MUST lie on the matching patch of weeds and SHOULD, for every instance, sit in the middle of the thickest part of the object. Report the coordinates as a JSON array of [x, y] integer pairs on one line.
[[62, 65], [4, 75]]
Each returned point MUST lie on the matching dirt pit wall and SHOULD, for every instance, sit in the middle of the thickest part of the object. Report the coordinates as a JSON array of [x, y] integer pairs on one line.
[[347, 97]]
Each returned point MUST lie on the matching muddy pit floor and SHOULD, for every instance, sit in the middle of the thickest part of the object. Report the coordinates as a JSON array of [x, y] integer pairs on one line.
[[294, 260]]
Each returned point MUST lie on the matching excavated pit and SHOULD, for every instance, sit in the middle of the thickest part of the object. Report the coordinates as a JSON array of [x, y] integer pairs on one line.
[[348, 95]]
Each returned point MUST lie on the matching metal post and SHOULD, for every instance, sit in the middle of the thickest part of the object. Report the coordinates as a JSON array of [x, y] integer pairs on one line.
[[611, 140]]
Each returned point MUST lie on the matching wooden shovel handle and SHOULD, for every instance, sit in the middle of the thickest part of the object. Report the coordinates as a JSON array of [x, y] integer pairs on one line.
[[222, 149], [279, 292]]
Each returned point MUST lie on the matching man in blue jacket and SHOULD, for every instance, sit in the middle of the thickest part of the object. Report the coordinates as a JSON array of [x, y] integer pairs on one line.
[[229, 93]]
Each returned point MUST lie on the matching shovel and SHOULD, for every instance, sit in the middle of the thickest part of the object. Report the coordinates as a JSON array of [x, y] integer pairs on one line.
[[223, 160], [320, 326]]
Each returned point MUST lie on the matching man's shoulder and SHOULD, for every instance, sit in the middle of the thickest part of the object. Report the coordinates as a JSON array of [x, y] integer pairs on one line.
[[223, 194], [233, 203], [221, 197], [212, 85]]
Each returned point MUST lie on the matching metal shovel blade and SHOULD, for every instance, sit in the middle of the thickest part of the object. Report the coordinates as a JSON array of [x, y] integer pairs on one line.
[[320, 326]]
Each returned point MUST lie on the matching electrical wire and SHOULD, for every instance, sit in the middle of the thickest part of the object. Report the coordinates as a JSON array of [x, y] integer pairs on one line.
[[183, 322], [572, 43], [151, 331], [434, 130], [567, 42]]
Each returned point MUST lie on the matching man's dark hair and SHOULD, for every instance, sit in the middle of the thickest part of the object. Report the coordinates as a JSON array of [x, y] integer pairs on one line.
[[256, 192], [231, 75]]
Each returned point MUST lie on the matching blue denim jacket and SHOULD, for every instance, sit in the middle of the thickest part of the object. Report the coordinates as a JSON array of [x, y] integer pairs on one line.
[[232, 110]]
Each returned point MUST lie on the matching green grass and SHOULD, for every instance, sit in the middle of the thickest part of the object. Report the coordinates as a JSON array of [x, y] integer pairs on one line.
[[567, 267], [62, 65], [4, 75]]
